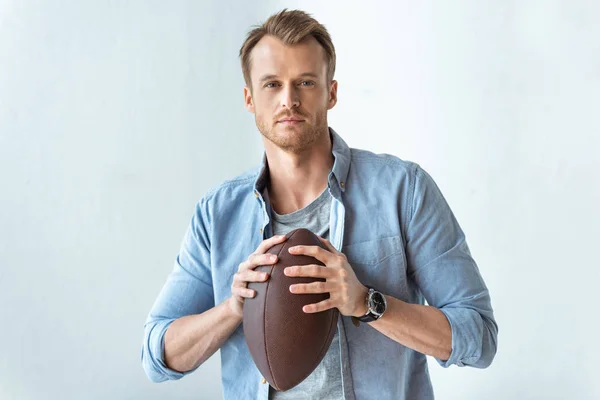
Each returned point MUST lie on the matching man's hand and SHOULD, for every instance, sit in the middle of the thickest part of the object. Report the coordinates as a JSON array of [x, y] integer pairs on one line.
[[246, 273], [346, 293]]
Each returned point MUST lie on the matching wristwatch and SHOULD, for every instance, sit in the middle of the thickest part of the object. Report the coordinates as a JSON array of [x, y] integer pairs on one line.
[[376, 306]]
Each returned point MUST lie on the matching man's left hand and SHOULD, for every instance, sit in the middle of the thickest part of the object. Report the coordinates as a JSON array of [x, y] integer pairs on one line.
[[345, 291]]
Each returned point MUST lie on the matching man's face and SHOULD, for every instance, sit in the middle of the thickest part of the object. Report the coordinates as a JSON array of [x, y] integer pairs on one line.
[[290, 93]]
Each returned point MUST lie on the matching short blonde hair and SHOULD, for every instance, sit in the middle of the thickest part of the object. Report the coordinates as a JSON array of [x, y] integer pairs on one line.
[[291, 27]]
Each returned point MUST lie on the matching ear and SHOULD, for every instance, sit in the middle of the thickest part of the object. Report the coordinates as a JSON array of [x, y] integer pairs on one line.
[[332, 95], [248, 102]]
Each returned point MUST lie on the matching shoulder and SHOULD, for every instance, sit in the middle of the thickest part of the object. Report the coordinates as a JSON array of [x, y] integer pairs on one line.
[[230, 189], [230, 193], [241, 183], [382, 162]]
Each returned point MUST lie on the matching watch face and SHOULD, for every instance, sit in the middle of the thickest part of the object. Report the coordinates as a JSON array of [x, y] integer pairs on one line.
[[377, 303]]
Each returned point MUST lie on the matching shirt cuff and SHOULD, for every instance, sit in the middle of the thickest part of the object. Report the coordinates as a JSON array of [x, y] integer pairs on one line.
[[467, 329], [153, 354]]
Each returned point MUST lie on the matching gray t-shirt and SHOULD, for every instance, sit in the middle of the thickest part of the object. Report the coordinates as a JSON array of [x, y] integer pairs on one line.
[[325, 382]]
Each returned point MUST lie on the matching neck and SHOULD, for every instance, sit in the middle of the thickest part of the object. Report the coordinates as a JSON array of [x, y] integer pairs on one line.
[[297, 179]]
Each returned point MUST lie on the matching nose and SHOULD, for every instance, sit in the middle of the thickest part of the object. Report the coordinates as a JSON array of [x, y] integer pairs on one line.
[[290, 97]]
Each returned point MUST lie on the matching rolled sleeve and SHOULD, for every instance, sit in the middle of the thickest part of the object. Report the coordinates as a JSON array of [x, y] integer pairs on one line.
[[153, 352], [470, 336], [448, 277], [187, 291]]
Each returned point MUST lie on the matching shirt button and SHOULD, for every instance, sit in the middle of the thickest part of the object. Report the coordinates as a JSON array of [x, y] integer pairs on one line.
[[260, 230], [256, 194], [342, 184], [263, 381]]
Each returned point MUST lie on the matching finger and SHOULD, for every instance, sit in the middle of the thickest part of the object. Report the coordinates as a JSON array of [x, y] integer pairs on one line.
[[243, 292], [311, 270], [253, 276], [254, 260], [261, 259], [241, 279], [318, 307], [328, 245], [314, 251], [313, 287], [268, 243]]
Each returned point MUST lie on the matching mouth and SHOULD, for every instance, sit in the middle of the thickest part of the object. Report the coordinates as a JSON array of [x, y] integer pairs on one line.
[[290, 121]]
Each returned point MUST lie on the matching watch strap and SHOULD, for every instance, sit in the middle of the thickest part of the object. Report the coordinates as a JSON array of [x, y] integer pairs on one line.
[[369, 316]]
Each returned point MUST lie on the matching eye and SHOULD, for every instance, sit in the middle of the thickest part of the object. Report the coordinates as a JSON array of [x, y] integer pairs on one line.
[[271, 85], [307, 83]]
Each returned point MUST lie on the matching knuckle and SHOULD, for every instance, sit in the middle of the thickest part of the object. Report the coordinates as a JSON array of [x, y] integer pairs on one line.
[[258, 275], [255, 261]]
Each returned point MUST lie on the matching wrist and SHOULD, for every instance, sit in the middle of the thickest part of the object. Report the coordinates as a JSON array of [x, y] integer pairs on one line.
[[361, 308], [234, 309]]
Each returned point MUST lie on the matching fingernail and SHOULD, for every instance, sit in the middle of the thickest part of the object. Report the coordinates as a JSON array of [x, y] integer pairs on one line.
[[272, 257]]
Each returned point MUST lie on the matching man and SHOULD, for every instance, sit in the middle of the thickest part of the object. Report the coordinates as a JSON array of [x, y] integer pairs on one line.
[[388, 231]]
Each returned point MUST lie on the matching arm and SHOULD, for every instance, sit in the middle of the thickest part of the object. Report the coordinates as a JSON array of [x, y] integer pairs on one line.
[[187, 292], [191, 340], [458, 327], [421, 328], [440, 263], [184, 327]]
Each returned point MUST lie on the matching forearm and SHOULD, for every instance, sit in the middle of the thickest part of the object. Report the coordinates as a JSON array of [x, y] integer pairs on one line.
[[422, 328], [191, 340]]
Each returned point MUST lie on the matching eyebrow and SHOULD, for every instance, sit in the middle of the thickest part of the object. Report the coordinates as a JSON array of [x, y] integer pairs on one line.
[[304, 75]]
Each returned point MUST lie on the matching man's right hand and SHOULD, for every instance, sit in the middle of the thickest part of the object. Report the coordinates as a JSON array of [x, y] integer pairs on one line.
[[246, 273]]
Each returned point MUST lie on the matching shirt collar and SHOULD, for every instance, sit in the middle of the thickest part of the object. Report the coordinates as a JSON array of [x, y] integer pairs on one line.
[[339, 172]]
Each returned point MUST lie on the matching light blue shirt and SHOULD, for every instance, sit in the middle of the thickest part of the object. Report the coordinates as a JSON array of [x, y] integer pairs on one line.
[[391, 220]]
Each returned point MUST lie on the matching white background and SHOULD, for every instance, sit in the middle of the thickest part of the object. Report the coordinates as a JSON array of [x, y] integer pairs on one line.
[[116, 117]]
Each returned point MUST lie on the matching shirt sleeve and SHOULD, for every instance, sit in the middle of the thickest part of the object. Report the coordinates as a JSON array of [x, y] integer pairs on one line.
[[441, 264], [188, 290]]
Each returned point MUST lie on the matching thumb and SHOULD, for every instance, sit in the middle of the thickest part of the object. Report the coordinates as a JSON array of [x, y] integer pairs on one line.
[[328, 245]]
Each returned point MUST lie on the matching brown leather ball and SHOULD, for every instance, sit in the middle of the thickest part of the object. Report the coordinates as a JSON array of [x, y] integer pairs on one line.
[[286, 343]]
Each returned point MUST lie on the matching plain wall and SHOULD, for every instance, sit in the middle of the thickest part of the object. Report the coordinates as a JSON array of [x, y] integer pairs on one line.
[[116, 117]]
